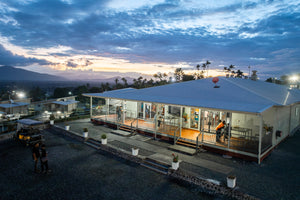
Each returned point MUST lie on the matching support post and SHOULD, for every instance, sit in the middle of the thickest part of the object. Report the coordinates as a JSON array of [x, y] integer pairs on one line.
[[260, 137], [156, 123], [91, 107], [199, 117], [229, 129], [202, 127], [107, 110], [180, 122]]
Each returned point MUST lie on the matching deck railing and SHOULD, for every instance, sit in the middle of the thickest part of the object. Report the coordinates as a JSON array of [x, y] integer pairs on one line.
[[132, 127], [197, 140], [176, 135]]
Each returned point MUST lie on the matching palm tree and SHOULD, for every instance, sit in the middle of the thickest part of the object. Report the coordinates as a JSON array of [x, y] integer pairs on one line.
[[231, 67], [239, 74], [207, 64], [125, 82], [116, 81], [178, 74]]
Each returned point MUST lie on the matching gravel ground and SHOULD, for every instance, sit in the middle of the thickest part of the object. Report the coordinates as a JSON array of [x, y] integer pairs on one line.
[[81, 172], [276, 178]]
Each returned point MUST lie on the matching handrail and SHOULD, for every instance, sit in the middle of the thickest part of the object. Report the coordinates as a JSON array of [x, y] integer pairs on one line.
[[131, 127], [175, 140], [197, 141]]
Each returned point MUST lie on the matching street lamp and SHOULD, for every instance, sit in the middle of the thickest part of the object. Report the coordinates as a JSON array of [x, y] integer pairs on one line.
[[294, 81], [21, 95], [294, 78]]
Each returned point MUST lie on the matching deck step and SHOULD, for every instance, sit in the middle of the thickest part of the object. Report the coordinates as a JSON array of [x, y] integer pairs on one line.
[[186, 143], [154, 169], [96, 142], [157, 163], [183, 149], [125, 128], [121, 132], [155, 166], [92, 144]]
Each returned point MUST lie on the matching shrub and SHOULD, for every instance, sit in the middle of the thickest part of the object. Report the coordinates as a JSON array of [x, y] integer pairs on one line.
[[175, 157], [52, 117], [85, 130], [103, 136]]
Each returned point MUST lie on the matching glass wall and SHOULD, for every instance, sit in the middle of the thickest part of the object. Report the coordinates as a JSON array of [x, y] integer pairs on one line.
[[240, 131], [99, 107], [244, 134]]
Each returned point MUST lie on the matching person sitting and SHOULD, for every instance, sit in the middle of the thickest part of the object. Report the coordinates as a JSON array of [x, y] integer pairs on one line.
[[226, 132], [219, 130]]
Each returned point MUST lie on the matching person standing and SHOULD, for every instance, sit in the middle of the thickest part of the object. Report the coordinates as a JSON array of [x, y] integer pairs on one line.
[[36, 156], [44, 160]]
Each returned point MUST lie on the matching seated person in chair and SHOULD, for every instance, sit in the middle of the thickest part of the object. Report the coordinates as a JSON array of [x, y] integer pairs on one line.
[[219, 129], [226, 132]]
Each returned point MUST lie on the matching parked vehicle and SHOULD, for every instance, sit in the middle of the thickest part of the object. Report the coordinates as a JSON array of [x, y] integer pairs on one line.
[[28, 136]]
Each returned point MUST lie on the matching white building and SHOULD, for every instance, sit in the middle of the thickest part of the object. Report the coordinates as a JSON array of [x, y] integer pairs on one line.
[[258, 115]]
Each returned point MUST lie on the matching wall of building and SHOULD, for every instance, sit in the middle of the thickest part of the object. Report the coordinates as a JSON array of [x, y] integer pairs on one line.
[[279, 119], [295, 117]]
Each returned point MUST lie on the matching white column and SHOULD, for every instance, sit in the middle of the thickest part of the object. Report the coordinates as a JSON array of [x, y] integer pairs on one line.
[[91, 108], [229, 129], [107, 110], [180, 122], [199, 118], [260, 137], [156, 118]]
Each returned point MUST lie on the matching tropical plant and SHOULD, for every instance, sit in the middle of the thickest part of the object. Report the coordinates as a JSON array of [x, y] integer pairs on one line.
[[103, 136], [239, 74], [178, 74], [175, 157], [52, 117], [207, 65]]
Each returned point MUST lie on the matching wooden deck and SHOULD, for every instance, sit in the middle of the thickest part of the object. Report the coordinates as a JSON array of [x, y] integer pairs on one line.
[[236, 143]]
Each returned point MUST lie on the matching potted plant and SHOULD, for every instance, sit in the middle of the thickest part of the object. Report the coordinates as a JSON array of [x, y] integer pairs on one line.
[[52, 118], [103, 139], [85, 132], [231, 181], [135, 151], [67, 126], [175, 162]]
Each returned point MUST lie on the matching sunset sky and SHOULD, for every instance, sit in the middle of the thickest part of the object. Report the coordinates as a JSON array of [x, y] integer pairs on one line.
[[89, 39]]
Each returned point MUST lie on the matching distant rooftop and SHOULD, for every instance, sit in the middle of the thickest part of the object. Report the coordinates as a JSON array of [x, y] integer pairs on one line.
[[65, 103], [15, 104]]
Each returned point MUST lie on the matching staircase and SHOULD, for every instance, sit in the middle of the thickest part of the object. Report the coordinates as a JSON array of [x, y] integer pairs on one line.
[[186, 143], [155, 166], [124, 128], [93, 143]]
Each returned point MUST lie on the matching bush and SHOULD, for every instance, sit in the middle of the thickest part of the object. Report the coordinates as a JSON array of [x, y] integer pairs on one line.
[[85, 130], [52, 117], [175, 157], [103, 136]]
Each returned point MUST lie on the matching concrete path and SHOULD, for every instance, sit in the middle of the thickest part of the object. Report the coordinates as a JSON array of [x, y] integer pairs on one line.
[[161, 153]]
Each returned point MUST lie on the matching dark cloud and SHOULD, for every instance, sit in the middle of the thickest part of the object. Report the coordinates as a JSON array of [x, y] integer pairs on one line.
[[90, 27], [7, 58]]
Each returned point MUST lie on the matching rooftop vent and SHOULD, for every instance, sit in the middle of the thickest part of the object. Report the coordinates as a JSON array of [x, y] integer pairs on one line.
[[215, 80]]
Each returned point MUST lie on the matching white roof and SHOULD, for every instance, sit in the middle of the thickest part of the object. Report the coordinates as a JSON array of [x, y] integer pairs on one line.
[[234, 94], [65, 103], [15, 104], [29, 122]]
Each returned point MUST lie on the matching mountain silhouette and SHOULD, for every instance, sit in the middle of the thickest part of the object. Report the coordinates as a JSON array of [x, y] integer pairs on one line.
[[9, 73]]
